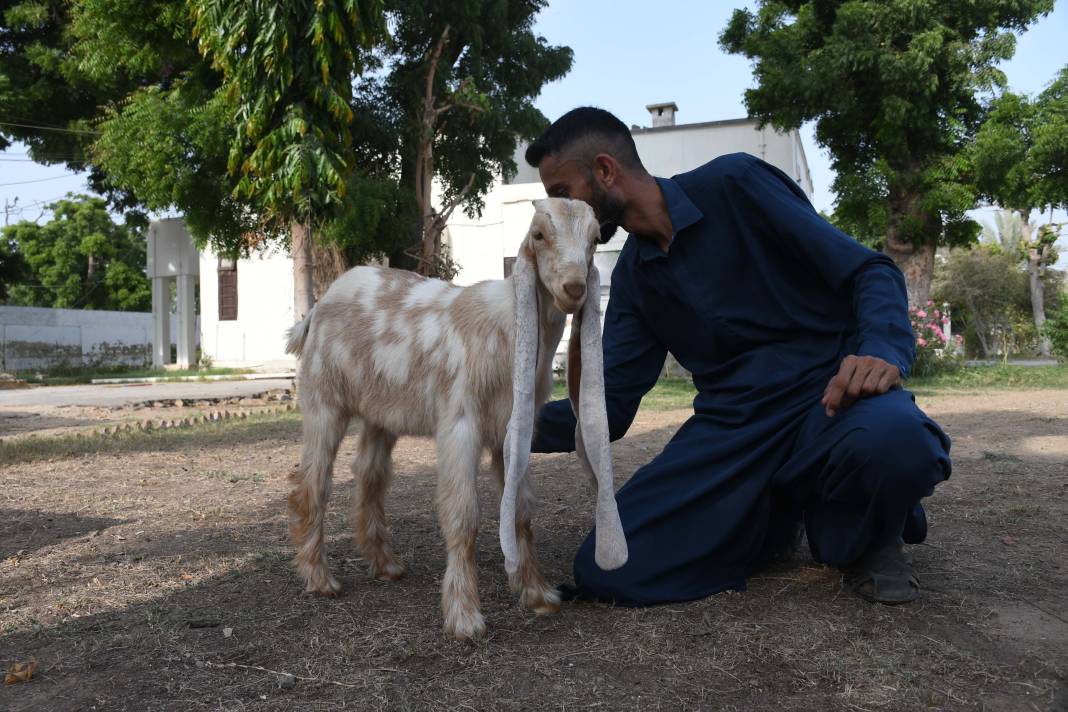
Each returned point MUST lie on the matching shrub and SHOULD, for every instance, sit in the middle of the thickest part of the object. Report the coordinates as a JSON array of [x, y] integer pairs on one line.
[[1056, 327], [934, 352]]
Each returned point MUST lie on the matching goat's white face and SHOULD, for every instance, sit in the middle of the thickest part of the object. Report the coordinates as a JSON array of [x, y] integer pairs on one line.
[[561, 240]]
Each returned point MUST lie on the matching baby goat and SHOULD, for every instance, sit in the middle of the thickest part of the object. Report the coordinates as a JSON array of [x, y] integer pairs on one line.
[[470, 366]]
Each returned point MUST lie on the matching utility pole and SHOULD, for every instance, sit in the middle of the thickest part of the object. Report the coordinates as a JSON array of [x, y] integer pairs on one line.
[[8, 209]]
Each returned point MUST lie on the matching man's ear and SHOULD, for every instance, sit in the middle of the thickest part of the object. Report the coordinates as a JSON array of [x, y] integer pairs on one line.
[[605, 169]]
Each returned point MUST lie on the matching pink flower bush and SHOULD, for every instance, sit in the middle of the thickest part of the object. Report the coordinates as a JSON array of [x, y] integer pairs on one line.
[[934, 353]]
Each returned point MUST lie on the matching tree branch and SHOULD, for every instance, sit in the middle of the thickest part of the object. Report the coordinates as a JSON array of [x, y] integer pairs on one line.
[[444, 215]]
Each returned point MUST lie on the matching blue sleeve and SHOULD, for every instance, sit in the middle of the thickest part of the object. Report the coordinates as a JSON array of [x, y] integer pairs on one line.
[[633, 359], [880, 302]]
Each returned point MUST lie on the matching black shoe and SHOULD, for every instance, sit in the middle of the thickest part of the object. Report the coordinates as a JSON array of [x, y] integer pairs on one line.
[[884, 576], [568, 592]]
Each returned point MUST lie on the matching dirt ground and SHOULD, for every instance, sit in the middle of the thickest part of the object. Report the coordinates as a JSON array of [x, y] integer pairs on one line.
[[150, 571]]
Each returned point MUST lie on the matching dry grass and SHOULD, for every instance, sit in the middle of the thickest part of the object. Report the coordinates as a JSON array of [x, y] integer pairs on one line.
[[123, 563]]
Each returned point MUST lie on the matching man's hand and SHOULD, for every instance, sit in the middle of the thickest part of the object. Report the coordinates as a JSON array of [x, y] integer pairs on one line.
[[859, 377]]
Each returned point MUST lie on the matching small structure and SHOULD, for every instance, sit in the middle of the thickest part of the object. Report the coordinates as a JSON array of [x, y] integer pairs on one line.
[[662, 114], [173, 256]]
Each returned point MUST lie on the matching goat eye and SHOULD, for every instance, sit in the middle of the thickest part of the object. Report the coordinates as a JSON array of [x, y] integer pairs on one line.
[[538, 236]]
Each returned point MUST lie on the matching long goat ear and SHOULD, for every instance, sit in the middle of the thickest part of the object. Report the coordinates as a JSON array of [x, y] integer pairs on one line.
[[521, 423], [585, 385]]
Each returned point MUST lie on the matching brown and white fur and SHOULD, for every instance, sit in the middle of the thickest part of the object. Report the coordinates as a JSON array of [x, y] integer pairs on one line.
[[405, 355]]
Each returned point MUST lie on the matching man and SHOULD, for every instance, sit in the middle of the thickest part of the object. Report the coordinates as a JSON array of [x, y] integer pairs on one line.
[[797, 337]]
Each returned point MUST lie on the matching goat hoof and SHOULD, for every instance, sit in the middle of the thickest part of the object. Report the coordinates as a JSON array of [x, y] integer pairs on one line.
[[390, 571], [466, 626], [323, 585], [542, 602]]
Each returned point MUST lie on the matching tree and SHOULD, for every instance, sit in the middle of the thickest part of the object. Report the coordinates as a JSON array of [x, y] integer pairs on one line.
[[12, 266], [289, 68], [1010, 172], [991, 299], [35, 87], [1050, 134], [462, 83], [893, 86], [81, 259]]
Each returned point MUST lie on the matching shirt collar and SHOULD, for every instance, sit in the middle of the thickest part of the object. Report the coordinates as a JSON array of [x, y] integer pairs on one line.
[[681, 210]]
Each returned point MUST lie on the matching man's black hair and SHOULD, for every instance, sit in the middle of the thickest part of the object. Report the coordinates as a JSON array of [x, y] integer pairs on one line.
[[586, 131]]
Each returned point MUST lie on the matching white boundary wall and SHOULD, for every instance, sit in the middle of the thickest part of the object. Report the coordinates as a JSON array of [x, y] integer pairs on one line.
[[41, 338]]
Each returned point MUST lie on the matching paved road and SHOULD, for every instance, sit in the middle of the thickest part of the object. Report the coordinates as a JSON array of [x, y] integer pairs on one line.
[[117, 395]]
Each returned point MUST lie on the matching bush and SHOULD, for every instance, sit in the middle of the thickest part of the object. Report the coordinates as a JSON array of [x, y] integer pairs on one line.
[[991, 300], [934, 352], [1056, 327]]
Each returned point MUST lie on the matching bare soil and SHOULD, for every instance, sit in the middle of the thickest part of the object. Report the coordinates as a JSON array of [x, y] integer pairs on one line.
[[151, 572]]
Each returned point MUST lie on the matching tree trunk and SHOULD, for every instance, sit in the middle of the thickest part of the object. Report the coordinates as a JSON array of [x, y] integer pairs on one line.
[[431, 232], [303, 282], [329, 263], [1038, 297], [915, 257], [916, 263], [980, 328], [1036, 254]]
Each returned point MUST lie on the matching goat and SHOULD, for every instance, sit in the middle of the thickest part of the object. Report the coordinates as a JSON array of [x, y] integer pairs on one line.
[[406, 355]]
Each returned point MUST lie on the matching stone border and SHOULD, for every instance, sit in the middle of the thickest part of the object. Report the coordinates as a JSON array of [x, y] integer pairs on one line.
[[153, 424]]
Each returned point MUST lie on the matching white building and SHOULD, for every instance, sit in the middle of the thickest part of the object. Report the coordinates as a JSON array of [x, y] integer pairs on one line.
[[247, 306]]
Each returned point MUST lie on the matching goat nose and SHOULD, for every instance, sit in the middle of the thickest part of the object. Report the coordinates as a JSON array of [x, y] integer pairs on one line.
[[575, 290]]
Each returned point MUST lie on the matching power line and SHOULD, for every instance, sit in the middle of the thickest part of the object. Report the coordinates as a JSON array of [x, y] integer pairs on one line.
[[40, 180], [40, 156], [49, 128], [40, 159]]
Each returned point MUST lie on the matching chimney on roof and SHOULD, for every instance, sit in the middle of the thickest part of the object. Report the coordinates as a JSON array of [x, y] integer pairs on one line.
[[663, 114]]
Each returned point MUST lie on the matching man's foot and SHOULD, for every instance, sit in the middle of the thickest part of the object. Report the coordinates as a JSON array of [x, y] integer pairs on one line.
[[568, 592], [884, 576]]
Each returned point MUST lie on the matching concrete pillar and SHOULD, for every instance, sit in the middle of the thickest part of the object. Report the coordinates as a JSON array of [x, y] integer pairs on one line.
[[187, 320], [161, 321]]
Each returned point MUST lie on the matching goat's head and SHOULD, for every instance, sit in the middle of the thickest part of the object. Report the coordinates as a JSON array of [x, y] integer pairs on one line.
[[558, 254], [560, 243]]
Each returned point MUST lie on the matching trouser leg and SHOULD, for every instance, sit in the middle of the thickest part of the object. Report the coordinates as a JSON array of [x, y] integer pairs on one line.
[[694, 517], [871, 466]]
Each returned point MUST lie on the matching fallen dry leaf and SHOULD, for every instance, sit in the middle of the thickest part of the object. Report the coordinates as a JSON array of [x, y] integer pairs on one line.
[[20, 672]]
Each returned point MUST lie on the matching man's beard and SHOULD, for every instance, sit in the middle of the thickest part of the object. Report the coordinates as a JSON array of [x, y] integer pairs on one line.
[[608, 210]]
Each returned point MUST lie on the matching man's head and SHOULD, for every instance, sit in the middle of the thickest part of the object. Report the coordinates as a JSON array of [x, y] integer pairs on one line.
[[588, 154]]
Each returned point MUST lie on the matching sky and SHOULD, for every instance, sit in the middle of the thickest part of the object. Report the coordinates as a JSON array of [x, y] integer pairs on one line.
[[627, 54]]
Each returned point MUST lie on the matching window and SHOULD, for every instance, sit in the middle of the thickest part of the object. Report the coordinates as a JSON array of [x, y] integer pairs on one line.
[[227, 289], [509, 265]]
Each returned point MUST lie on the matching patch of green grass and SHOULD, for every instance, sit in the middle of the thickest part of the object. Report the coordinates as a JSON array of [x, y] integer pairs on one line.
[[667, 394], [68, 376], [676, 393], [988, 378], [35, 449]]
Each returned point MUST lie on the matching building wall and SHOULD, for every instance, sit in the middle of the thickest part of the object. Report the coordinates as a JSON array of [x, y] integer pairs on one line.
[[264, 312], [37, 338], [670, 150], [479, 246]]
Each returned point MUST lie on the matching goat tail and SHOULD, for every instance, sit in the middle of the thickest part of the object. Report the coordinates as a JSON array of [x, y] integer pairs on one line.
[[298, 334]]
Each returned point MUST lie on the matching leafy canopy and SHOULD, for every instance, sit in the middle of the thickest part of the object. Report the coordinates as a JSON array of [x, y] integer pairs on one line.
[[80, 259], [1020, 154], [289, 68], [894, 87]]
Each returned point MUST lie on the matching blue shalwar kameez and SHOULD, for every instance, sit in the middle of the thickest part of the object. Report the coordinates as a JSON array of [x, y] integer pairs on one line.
[[760, 299]]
